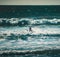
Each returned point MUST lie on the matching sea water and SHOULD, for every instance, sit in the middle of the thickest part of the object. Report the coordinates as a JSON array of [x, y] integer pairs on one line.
[[42, 41]]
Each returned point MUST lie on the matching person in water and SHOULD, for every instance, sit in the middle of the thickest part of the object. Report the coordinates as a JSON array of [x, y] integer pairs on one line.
[[30, 29]]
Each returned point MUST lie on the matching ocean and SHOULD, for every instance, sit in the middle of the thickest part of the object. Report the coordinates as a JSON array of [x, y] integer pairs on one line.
[[16, 38]]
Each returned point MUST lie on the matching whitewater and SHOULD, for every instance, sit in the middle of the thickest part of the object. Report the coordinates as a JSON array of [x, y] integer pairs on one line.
[[16, 37]]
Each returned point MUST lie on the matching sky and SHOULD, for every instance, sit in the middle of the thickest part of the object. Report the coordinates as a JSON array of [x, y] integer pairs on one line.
[[29, 2]]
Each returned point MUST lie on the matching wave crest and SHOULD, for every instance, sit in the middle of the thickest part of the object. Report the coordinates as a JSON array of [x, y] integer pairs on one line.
[[27, 21]]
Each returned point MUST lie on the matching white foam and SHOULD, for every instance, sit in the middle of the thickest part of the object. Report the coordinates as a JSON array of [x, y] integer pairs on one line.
[[35, 30], [2, 39]]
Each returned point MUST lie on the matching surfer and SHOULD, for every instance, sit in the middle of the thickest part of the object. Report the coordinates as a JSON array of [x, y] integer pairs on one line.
[[30, 29]]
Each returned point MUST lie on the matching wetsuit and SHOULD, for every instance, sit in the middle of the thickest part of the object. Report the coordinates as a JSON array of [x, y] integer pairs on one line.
[[30, 29]]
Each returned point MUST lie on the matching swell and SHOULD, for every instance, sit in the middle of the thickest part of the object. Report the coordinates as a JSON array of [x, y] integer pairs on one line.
[[28, 21]]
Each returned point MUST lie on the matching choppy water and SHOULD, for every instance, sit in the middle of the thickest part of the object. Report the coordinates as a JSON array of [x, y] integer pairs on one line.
[[15, 36]]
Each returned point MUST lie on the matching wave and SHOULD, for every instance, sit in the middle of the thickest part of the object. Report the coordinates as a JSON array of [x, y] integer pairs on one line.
[[19, 40], [14, 33], [27, 44], [28, 21], [15, 52], [13, 36], [26, 37], [25, 30]]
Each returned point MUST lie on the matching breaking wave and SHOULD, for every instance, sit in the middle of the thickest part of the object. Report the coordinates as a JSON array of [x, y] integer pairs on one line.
[[27, 21], [19, 40]]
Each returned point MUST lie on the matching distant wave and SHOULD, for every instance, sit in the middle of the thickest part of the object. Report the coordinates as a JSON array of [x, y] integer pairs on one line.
[[27, 21]]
